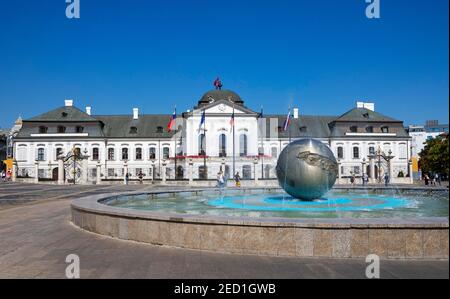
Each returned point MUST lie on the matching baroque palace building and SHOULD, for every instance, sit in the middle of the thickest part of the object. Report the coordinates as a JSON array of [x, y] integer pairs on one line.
[[109, 146]]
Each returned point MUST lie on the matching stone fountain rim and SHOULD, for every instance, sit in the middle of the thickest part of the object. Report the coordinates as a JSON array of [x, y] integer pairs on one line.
[[96, 204]]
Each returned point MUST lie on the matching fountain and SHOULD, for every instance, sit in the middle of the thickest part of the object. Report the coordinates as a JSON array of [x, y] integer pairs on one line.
[[314, 221], [307, 169]]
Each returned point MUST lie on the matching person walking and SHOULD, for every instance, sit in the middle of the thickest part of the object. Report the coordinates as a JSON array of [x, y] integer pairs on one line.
[[386, 179], [141, 177], [237, 179], [127, 178], [365, 179], [426, 179], [352, 180], [439, 179]]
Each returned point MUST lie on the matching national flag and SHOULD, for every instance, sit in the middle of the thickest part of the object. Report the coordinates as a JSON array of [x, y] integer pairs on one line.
[[202, 120], [232, 120], [172, 120], [287, 122]]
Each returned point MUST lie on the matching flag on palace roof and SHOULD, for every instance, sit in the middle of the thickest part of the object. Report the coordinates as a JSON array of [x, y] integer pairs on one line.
[[172, 121]]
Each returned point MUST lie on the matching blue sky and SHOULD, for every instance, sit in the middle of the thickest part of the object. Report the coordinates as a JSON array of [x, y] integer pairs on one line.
[[318, 55]]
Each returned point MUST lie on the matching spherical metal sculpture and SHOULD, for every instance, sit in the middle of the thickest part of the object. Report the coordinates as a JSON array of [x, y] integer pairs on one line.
[[307, 169]]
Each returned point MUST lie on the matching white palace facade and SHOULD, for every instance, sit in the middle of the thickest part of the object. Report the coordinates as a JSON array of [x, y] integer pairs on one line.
[[109, 146]]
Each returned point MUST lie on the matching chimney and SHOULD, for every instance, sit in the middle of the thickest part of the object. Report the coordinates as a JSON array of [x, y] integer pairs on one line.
[[368, 106], [88, 110], [135, 113], [68, 103], [296, 113]]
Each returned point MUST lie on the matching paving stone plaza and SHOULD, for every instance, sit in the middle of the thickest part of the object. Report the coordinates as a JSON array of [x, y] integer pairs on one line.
[[37, 235]]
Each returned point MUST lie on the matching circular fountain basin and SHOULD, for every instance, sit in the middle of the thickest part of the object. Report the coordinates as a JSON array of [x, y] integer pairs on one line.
[[392, 223]]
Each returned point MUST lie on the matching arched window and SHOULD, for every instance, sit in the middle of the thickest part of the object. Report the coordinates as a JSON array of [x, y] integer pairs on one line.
[[138, 153], [371, 150], [41, 154], [201, 145], [152, 153], [222, 145], [340, 152], [355, 152], [22, 153], [274, 151], [124, 153], [111, 154], [243, 146], [166, 153], [95, 154], [59, 152]]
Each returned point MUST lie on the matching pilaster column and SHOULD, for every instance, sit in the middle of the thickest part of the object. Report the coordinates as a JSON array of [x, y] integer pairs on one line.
[[191, 172], [49, 171], [411, 177], [60, 172], [99, 174], [372, 171], [36, 172], [14, 171], [339, 171]]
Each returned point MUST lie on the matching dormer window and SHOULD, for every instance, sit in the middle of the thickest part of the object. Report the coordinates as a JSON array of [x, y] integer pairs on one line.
[[369, 129], [159, 130], [366, 115], [61, 129], [385, 129], [353, 129], [303, 129], [64, 114], [133, 130], [43, 130], [79, 129]]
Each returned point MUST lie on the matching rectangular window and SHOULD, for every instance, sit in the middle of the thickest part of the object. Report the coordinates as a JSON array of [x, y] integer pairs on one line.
[[340, 152], [166, 153], [95, 154], [152, 153], [356, 152], [138, 153], [111, 154], [124, 154]]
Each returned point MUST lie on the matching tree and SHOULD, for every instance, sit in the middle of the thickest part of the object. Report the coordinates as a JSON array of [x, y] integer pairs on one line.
[[434, 158]]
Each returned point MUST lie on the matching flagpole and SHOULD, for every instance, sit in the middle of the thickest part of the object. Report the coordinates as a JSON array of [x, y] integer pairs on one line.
[[176, 141], [262, 143], [204, 150], [289, 124], [234, 147]]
